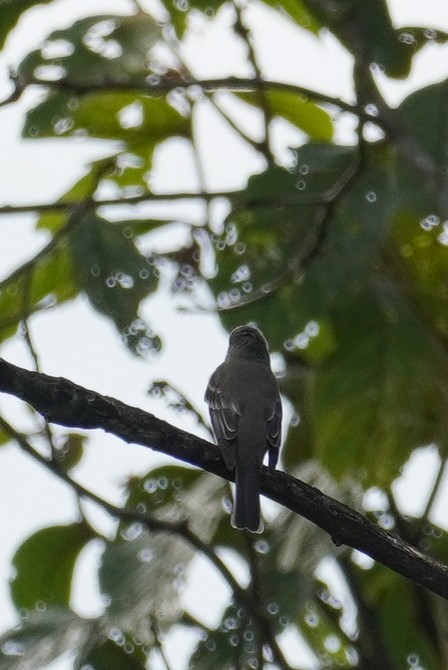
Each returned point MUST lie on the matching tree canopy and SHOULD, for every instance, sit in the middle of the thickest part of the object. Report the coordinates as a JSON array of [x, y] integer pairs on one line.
[[335, 246]]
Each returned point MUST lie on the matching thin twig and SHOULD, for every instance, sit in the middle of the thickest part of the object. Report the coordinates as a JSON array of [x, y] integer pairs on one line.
[[228, 119], [27, 281], [182, 403], [70, 205], [209, 84], [159, 645], [243, 31]]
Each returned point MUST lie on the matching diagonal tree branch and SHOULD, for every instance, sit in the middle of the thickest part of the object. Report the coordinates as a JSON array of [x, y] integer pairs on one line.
[[63, 402]]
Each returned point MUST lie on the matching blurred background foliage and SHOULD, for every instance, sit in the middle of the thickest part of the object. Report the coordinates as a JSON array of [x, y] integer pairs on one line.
[[339, 254]]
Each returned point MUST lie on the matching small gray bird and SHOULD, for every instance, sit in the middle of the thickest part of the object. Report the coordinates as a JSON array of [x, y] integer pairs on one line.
[[246, 416]]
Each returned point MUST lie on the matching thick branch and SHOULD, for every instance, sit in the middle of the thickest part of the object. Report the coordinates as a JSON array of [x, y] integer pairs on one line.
[[63, 402]]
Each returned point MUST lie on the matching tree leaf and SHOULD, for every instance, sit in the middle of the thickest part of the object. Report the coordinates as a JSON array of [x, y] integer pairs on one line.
[[396, 611], [275, 263], [44, 565], [297, 11], [35, 286], [113, 656], [41, 638], [422, 258], [424, 116], [179, 12], [4, 438], [180, 494], [70, 451], [140, 576], [95, 50], [367, 23], [12, 10], [368, 412], [234, 644], [115, 277], [103, 115], [302, 113]]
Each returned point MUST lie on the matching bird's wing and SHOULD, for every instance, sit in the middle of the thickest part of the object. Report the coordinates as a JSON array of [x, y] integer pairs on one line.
[[224, 416], [274, 433]]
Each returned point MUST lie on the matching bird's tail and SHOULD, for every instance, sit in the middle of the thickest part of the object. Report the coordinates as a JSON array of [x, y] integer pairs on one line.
[[246, 509]]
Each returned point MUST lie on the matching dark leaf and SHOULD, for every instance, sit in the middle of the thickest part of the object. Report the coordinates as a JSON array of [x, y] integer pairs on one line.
[[95, 50], [115, 277], [400, 615], [69, 451], [367, 407], [179, 12], [44, 565], [115, 654], [367, 23]]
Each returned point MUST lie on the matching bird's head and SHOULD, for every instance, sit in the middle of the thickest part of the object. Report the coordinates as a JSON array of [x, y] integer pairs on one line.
[[248, 343]]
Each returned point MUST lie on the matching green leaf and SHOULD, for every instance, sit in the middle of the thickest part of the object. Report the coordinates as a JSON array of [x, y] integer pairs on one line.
[[41, 638], [301, 113], [161, 487], [297, 11], [115, 277], [12, 10], [319, 624], [289, 263], [236, 641], [396, 611], [138, 121], [4, 438], [421, 249], [140, 576], [424, 116], [141, 572], [111, 656], [180, 494], [367, 23], [234, 644], [44, 565], [37, 285], [367, 409], [95, 51], [417, 38], [70, 451], [179, 12]]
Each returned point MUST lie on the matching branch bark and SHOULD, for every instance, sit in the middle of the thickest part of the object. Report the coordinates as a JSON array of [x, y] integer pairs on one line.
[[62, 402]]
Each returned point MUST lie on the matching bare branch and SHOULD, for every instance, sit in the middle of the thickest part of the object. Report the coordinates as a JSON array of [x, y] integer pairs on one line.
[[69, 205]]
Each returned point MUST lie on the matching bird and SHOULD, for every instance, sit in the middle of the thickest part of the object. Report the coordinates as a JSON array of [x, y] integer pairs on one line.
[[246, 416]]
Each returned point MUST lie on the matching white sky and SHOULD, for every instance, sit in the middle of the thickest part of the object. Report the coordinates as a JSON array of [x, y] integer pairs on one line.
[[75, 343]]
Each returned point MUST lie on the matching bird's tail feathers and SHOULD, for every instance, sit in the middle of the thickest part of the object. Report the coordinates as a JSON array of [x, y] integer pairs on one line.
[[246, 509]]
